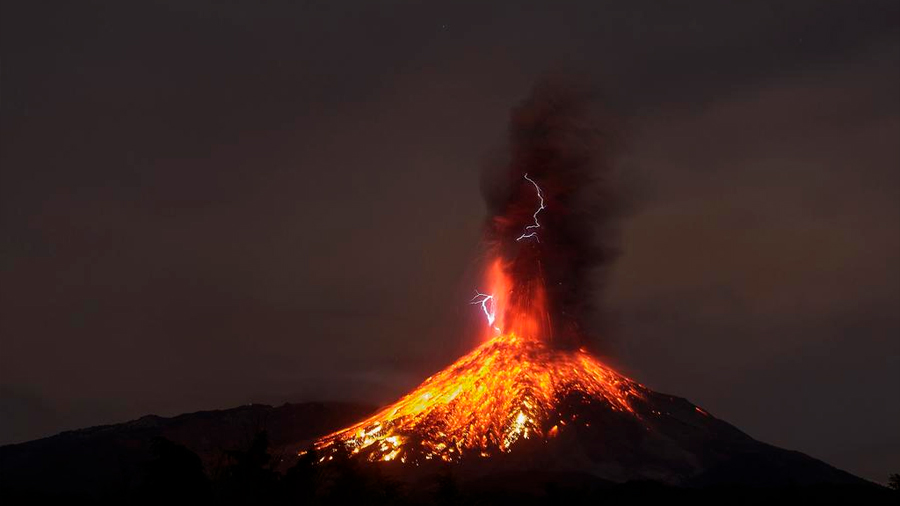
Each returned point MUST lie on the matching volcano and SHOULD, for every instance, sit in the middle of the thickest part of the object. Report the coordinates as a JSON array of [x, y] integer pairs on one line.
[[532, 396], [518, 404], [531, 415], [515, 405]]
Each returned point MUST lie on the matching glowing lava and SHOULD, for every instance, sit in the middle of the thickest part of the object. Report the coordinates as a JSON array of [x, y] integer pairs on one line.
[[507, 389]]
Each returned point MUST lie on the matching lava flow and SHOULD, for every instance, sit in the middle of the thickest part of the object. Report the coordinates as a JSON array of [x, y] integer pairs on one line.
[[512, 386]]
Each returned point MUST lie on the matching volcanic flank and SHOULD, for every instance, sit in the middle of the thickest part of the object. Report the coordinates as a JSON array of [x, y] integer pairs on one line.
[[532, 396]]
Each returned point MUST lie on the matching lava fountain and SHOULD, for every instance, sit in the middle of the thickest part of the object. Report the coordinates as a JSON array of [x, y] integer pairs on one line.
[[533, 356]]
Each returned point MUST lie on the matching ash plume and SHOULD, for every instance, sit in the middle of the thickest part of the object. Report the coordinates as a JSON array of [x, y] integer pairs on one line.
[[563, 247]]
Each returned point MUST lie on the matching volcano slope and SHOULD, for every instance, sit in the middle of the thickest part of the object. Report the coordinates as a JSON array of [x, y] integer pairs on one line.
[[518, 405]]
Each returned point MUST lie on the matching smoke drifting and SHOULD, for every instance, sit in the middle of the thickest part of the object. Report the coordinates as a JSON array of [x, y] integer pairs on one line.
[[566, 151]]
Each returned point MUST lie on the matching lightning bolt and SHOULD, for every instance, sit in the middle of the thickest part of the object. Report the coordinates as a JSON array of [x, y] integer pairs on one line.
[[526, 234], [486, 301]]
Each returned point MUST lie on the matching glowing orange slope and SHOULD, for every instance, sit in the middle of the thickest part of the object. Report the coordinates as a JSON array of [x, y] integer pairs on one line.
[[506, 389]]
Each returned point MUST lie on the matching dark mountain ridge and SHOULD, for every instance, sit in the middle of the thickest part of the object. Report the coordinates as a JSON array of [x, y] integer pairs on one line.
[[86, 462], [676, 450]]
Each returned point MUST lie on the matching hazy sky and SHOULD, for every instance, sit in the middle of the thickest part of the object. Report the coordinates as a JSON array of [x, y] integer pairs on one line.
[[204, 203]]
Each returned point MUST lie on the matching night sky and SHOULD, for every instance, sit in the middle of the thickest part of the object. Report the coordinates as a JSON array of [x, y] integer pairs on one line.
[[204, 204]]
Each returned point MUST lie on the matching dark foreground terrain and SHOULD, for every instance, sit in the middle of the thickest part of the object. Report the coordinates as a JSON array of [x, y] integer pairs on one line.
[[247, 455]]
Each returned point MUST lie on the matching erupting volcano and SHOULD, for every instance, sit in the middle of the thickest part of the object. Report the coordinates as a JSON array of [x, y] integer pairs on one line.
[[509, 388], [532, 388]]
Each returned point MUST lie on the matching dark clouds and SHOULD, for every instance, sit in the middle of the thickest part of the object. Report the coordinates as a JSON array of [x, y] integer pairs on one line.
[[204, 203]]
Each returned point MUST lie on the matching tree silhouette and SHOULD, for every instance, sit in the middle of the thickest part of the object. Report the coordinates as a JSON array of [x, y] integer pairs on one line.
[[174, 476], [447, 490], [894, 482], [300, 484], [249, 477]]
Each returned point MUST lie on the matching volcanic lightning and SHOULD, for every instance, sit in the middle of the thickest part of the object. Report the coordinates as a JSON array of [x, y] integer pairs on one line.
[[485, 300], [526, 234]]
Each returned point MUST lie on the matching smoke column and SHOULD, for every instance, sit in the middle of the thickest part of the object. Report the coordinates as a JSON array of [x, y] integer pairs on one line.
[[556, 146]]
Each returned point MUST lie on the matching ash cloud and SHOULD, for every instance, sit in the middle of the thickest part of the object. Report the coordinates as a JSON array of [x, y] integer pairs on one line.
[[560, 142]]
